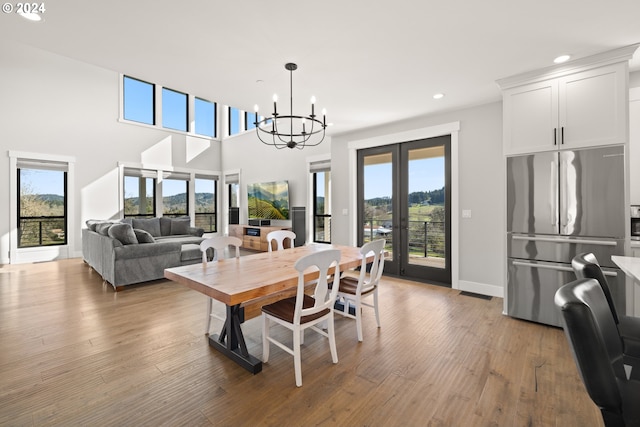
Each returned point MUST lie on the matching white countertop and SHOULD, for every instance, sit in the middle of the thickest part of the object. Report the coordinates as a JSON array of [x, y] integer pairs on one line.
[[630, 265]]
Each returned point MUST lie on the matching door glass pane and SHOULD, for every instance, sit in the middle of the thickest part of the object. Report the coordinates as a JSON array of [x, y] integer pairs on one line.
[[426, 207], [378, 199]]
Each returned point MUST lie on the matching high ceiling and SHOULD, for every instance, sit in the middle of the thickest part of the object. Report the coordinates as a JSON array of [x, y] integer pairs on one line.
[[367, 62]]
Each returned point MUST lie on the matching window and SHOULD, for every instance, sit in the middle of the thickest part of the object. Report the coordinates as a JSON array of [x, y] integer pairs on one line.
[[249, 120], [321, 174], [205, 204], [174, 110], [175, 196], [234, 120], [138, 101], [205, 118], [42, 204], [139, 194]]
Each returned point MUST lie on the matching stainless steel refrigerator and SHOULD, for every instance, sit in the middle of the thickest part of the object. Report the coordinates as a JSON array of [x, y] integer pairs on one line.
[[560, 204]]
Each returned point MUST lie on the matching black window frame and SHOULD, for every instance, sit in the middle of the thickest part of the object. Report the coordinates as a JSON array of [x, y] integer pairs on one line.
[[186, 109], [215, 117], [179, 214], [316, 215], [229, 115], [139, 215], [214, 214], [40, 219], [153, 100]]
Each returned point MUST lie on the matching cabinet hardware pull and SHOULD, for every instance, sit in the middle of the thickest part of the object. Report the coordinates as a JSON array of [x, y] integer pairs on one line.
[[555, 136], [562, 135]]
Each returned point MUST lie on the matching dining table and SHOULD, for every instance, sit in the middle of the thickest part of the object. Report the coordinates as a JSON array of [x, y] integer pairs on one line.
[[246, 280]]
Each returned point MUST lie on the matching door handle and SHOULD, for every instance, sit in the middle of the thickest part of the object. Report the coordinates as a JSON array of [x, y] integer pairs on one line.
[[555, 267], [553, 193]]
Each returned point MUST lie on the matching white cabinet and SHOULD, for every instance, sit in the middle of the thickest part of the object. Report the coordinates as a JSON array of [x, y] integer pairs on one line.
[[581, 109]]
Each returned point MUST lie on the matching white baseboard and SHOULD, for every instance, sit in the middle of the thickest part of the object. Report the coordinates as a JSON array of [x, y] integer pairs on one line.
[[481, 288]]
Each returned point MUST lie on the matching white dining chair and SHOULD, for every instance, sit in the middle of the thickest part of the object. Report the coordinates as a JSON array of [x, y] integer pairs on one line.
[[219, 245], [352, 291], [304, 311], [280, 236]]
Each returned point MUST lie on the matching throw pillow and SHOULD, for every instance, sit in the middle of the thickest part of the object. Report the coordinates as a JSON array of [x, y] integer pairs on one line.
[[165, 226], [150, 225], [143, 236], [92, 224], [180, 226], [103, 228], [124, 233]]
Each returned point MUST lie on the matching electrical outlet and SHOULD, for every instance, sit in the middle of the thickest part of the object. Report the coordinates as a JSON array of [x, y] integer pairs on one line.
[[466, 213]]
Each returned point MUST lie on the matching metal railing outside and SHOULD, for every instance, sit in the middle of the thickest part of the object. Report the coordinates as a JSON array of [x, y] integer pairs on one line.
[[426, 238], [207, 221], [42, 231], [322, 229]]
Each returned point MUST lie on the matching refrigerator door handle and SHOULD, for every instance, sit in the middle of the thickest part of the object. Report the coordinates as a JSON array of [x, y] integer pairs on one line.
[[557, 267], [553, 192], [567, 240], [544, 266]]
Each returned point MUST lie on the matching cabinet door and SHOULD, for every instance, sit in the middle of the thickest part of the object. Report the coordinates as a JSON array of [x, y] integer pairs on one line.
[[530, 114], [593, 107]]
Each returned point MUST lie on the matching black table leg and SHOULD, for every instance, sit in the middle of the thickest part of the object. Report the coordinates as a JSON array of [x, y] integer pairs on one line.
[[231, 342]]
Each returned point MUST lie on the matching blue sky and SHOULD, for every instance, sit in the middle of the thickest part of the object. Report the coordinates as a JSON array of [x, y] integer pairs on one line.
[[42, 181], [424, 175]]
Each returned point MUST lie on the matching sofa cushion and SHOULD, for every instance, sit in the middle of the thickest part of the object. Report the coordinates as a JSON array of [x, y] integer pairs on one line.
[[183, 239], [150, 225], [103, 228], [123, 233], [180, 226], [165, 226], [143, 236], [190, 252]]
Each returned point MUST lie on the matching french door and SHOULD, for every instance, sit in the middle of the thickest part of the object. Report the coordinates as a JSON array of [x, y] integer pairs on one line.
[[404, 197]]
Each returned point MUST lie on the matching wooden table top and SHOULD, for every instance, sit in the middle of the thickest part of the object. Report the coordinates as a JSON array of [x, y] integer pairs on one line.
[[238, 280]]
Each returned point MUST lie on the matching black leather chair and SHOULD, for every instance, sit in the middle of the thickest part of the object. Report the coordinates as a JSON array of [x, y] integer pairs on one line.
[[596, 345], [586, 266]]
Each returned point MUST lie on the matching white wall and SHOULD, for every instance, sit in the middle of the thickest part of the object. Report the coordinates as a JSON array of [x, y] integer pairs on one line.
[[54, 105], [258, 162], [481, 188]]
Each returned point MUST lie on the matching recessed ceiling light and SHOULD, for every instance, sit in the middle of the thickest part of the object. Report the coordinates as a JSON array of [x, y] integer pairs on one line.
[[438, 96], [562, 58]]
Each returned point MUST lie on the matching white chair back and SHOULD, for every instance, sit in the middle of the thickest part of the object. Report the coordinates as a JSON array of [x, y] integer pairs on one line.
[[280, 236], [323, 261], [377, 266], [219, 244]]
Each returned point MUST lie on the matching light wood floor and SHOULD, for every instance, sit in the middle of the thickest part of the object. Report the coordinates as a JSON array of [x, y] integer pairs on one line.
[[73, 352]]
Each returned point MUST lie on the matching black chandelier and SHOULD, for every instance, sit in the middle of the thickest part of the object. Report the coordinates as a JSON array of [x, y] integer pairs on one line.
[[291, 131]]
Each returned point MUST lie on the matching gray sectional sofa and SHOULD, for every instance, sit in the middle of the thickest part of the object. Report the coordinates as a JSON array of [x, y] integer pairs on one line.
[[132, 251]]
